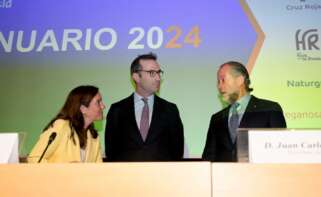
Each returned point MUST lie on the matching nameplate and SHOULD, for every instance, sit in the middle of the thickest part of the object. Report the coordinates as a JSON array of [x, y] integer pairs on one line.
[[296, 146], [9, 148]]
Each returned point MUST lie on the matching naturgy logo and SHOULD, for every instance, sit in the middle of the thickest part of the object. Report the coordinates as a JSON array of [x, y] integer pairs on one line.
[[307, 40], [5, 3]]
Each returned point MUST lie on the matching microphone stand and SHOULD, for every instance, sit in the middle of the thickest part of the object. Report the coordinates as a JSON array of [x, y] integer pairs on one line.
[[51, 139]]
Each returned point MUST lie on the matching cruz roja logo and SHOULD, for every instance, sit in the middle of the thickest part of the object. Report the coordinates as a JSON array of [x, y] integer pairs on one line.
[[307, 41], [303, 5], [5, 3]]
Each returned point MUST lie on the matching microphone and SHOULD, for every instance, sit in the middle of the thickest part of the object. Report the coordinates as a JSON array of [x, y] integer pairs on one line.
[[51, 139]]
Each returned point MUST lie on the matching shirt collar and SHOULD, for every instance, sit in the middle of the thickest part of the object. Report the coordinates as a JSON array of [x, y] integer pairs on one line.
[[243, 101], [138, 98]]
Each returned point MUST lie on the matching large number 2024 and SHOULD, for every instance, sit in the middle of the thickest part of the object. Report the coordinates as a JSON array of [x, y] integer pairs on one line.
[[192, 37]]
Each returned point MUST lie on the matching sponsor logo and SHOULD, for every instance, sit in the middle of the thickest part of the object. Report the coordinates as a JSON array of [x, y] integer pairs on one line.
[[307, 40], [307, 45], [302, 5], [303, 84], [303, 115], [5, 3]]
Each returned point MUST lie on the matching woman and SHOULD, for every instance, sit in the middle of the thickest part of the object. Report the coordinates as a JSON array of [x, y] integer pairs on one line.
[[76, 139]]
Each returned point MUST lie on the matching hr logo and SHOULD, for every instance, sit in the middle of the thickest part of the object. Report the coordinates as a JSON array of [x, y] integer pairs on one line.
[[307, 40]]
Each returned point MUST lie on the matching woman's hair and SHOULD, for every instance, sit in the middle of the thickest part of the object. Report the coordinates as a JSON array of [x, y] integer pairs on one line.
[[81, 95]]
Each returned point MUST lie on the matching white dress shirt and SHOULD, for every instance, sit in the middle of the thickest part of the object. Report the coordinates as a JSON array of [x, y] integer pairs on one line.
[[139, 104]]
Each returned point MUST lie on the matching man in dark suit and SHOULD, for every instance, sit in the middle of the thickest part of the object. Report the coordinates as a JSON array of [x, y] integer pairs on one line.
[[244, 111], [143, 126]]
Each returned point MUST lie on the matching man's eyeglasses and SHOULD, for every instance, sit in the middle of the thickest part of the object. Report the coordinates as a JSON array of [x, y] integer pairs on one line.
[[153, 73]]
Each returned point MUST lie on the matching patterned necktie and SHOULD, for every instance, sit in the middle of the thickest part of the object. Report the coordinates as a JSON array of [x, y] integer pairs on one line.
[[234, 122], [144, 121]]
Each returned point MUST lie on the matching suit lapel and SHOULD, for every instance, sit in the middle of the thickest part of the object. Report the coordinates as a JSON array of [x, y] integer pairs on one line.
[[156, 116], [132, 120], [225, 116], [251, 107]]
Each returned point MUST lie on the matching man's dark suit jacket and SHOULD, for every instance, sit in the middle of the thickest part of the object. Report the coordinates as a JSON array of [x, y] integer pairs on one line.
[[164, 141], [259, 113]]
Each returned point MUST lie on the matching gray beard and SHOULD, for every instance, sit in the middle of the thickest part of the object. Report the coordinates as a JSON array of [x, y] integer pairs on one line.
[[233, 97]]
